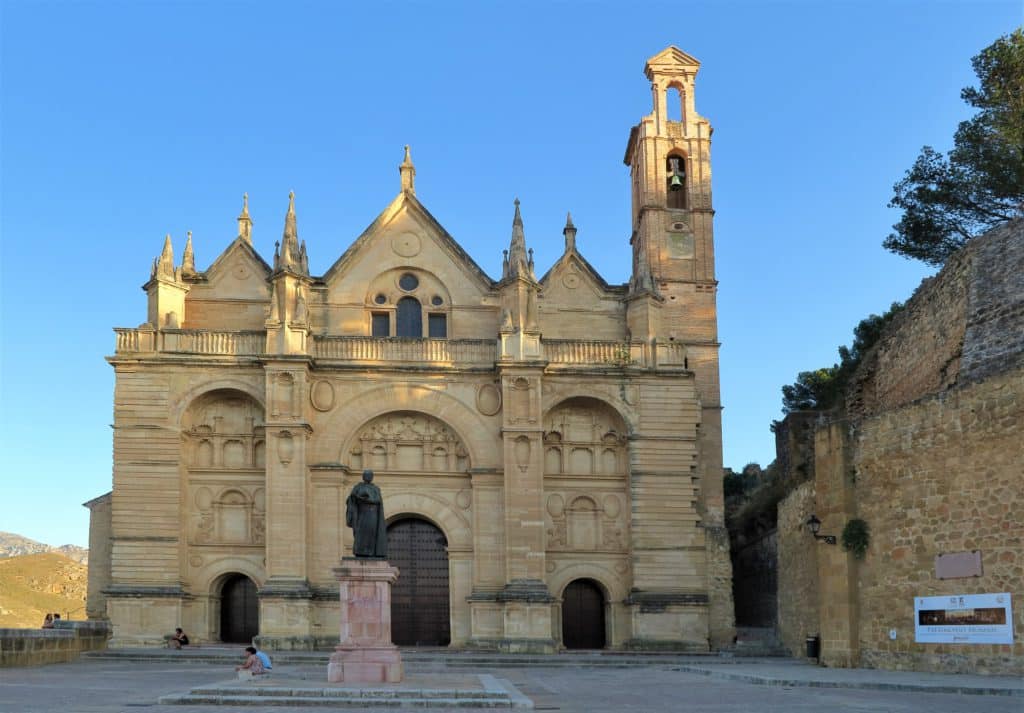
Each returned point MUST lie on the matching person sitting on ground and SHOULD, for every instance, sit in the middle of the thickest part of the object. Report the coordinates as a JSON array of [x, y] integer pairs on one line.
[[179, 639], [253, 665], [48, 621]]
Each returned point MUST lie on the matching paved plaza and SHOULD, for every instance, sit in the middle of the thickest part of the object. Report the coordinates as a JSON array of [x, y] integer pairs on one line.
[[700, 685]]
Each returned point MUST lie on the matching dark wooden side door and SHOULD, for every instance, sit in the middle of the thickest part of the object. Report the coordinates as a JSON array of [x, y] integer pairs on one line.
[[239, 610], [419, 599], [583, 616]]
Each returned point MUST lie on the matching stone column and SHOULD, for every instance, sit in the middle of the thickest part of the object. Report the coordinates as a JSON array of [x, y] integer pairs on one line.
[[365, 653], [526, 601], [285, 597]]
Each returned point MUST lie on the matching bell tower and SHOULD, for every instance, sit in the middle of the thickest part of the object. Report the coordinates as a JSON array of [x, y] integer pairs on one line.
[[672, 291]]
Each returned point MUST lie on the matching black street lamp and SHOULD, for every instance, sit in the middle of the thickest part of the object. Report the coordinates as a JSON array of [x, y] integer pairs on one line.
[[814, 524]]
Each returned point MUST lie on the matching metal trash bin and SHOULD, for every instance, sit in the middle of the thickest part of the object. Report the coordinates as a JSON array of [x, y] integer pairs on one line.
[[813, 647]]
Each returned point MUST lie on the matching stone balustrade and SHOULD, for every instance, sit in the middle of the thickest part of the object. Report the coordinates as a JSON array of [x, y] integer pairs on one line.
[[190, 341], [559, 353], [454, 351]]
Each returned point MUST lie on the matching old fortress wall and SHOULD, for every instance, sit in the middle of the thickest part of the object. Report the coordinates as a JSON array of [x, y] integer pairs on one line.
[[931, 456]]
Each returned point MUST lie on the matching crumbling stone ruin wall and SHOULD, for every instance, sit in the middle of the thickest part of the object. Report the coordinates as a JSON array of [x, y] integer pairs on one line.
[[994, 340], [963, 324], [794, 446]]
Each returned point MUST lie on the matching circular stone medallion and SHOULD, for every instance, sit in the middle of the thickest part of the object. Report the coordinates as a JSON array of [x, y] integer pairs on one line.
[[321, 395], [406, 244], [488, 399]]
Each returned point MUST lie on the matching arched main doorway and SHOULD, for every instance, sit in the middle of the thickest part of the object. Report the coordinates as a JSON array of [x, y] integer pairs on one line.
[[419, 599], [239, 610], [583, 615]]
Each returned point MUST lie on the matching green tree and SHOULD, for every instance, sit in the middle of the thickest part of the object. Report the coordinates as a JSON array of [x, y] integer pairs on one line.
[[824, 389], [979, 184]]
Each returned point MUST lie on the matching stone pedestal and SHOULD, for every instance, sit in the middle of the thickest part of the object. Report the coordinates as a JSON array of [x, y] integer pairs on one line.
[[365, 653]]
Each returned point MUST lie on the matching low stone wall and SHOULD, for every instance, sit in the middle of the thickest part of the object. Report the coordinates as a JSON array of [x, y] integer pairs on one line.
[[37, 647]]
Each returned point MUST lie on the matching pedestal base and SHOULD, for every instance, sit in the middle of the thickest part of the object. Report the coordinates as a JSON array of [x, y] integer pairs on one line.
[[365, 653], [365, 664]]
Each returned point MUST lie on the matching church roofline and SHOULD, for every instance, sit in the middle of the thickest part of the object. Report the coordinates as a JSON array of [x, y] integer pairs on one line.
[[410, 200], [604, 285], [245, 245]]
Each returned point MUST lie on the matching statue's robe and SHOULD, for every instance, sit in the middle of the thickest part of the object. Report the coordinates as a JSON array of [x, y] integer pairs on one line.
[[364, 513]]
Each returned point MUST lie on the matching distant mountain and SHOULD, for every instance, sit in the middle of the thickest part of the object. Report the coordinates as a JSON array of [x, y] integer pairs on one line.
[[13, 545], [32, 585]]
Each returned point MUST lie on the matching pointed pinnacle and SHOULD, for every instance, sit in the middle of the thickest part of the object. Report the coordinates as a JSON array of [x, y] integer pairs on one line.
[[245, 204], [408, 158], [517, 218], [568, 220]]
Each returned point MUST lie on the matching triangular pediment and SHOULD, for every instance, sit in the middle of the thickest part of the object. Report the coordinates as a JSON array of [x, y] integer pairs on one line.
[[238, 273], [670, 58], [406, 233], [573, 271]]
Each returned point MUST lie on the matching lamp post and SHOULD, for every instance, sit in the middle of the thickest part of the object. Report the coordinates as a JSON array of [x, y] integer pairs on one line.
[[814, 524]]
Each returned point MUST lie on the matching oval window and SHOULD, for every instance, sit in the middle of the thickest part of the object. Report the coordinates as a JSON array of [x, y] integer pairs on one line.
[[408, 282], [380, 299], [436, 301]]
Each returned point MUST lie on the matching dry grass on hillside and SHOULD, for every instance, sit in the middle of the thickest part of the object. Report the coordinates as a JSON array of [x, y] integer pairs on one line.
[[32, 585]]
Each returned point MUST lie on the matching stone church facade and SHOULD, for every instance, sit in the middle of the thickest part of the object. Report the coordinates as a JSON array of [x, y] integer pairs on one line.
[[549, 449]]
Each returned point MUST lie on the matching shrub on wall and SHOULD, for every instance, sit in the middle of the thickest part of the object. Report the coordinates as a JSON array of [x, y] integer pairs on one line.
[[856, 538]]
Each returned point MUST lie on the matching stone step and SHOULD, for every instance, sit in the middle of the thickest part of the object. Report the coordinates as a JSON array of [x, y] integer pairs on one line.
[[758, 641], [389, 693], [416, 660], [360, 702]]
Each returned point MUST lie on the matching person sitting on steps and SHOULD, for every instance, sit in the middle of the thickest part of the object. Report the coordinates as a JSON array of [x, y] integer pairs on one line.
[[179, 639], [256, 663]]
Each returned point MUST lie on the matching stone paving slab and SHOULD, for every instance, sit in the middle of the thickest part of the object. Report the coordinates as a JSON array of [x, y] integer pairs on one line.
[[107, 686], [798, 674]]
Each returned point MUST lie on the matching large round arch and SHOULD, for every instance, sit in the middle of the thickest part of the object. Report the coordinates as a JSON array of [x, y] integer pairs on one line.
[[184, 401], [612, 401], [480, 438]]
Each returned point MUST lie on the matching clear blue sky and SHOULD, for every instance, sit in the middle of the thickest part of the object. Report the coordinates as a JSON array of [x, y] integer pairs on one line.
[[123, 121]]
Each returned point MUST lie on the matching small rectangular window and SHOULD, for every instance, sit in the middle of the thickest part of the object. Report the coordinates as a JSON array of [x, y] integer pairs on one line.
[[438, 326], [381, 326]]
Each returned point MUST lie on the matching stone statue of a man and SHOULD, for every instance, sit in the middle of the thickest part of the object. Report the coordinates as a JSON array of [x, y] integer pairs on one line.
[[364, 513]]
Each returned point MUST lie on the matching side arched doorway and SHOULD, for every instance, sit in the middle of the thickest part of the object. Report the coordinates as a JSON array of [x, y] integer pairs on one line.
[[420, 613], [583, 615], [239, 610]]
